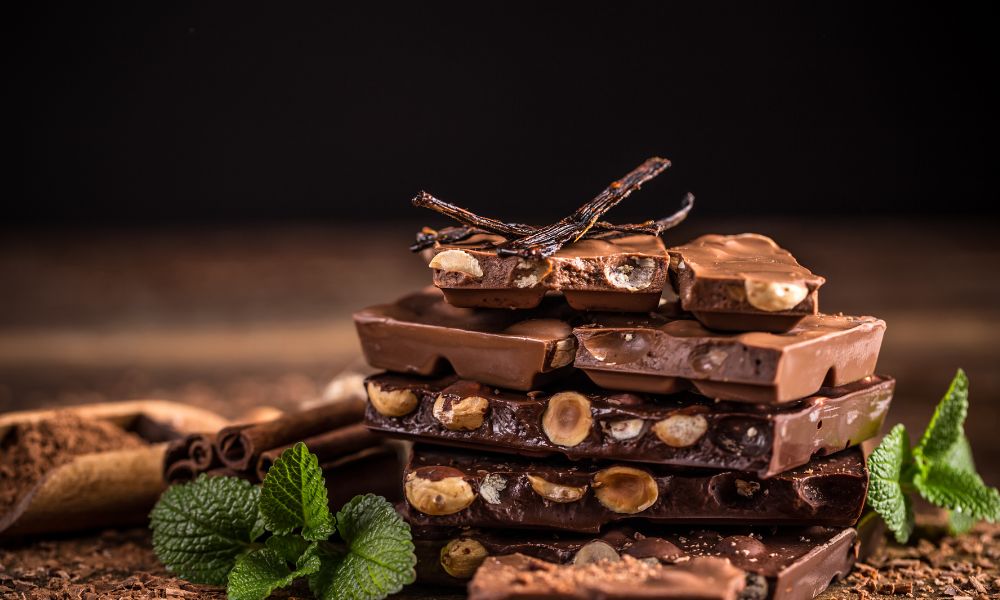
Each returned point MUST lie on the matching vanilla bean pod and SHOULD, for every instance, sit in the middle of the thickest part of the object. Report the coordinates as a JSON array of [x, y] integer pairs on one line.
[[470, 219], [650, 227]]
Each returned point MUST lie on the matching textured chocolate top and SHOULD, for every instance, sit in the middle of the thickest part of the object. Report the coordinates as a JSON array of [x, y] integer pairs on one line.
[[624, 274], [501, 491], [684, 429], [422, 334], [660, 354]]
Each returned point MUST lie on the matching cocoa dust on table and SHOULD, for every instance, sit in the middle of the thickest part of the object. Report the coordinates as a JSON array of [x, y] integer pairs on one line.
[[29, 451]]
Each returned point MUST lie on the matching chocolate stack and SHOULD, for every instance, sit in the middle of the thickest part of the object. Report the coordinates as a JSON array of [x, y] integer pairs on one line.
[[599, 416]]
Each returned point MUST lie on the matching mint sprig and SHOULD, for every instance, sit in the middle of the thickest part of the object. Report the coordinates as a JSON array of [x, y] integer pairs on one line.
[[213, 529], [940, 468]]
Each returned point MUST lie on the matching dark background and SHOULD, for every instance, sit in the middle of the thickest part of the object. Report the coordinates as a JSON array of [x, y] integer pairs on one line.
[[194, 113]]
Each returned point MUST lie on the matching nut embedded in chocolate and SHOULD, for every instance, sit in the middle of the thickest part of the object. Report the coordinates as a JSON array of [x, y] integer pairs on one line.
[[774, 296], [624, 429], [595, 551], [625, 490], [462, 556], [680, 430], [438, 490], [556, 492], [567, 418], [633, 275], [464, 414], [457, 261], [391, 403]]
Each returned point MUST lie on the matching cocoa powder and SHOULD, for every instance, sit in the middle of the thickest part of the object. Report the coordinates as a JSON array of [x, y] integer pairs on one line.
[[29, 451]]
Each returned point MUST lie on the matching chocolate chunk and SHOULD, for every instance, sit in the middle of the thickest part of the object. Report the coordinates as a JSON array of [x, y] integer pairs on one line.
[[684, 429], [664, 355], [788, 563], [517, 576], [423, 335], [622, 274], [585, 495], [743, 282]]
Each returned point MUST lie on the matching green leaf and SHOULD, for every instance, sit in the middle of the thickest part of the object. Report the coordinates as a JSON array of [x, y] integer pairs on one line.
[[960, 457], [959, 522], [294, 495], [281, 561], [199, 528], [885, 491], [958, 490], [945, 428], [379, 560]]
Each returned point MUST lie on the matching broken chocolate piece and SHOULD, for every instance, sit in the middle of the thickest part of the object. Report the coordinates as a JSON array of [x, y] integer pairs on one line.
[[517, 576], [828, 491], [625, 273], [789, 563], [663, 355], [423, 335], [684, 429], [743, 282]]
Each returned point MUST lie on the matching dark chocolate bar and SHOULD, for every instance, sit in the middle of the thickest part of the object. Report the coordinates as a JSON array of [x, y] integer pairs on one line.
[[621, 274], [684, 429], [663, 355], [521, 577], [464, 489], [423, 335], [743, 282], [791, 563]]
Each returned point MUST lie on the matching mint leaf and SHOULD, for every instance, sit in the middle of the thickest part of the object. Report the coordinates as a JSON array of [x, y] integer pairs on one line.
[[261, 571], [380, 557], [960, 457], [885, 491], [946, 425], [294, 495], [961, 491], [199, 528], [959, 522]]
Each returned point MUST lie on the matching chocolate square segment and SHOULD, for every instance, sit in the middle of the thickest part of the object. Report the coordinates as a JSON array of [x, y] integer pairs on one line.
[[578, 420], [623, 274], [659, 354], [421, 334], [743, 282]]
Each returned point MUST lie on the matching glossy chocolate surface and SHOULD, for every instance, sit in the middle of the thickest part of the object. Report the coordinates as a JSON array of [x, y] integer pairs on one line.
[[422, 334], [787, 563], [660, 354], [743, 282], [764, 439], [622, 274], [828, 491]]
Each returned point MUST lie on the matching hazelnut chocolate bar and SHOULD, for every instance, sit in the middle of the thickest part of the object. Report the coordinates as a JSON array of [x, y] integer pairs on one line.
[[663, 355], [743, 282], [579, 420], [618, 274], [421, 334], [463, 489], [791, 563]]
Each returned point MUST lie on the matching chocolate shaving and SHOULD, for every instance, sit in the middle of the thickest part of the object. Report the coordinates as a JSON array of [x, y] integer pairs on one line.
[[539, 242]]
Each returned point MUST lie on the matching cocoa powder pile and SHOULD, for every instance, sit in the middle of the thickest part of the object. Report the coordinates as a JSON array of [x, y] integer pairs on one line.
[[29, 451]]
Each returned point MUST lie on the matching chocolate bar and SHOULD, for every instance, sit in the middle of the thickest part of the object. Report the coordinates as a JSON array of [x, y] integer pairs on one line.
[[664, 355], [743, 282], [423, 335], [791, 563], [463, 489], [684, 429], [517, 576], [622, 274]]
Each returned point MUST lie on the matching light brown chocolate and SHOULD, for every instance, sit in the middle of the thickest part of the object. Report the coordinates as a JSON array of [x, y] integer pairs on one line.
[[659, 354], [622, 274], [743, 282]]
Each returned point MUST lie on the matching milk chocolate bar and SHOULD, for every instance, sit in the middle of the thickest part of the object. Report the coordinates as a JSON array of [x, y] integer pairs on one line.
[[663, 355], [463, 489], [579, 420], [743, 283], [622, 274], [521, 577], [421, 334], [791, 563]]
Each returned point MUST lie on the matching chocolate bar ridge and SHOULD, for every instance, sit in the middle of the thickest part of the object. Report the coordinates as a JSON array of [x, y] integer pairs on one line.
[[684, 429]]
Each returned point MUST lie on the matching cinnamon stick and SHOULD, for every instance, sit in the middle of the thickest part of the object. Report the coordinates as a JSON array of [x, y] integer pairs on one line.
[[180, 471], [202, 452], [239, 447], [328, 446]]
